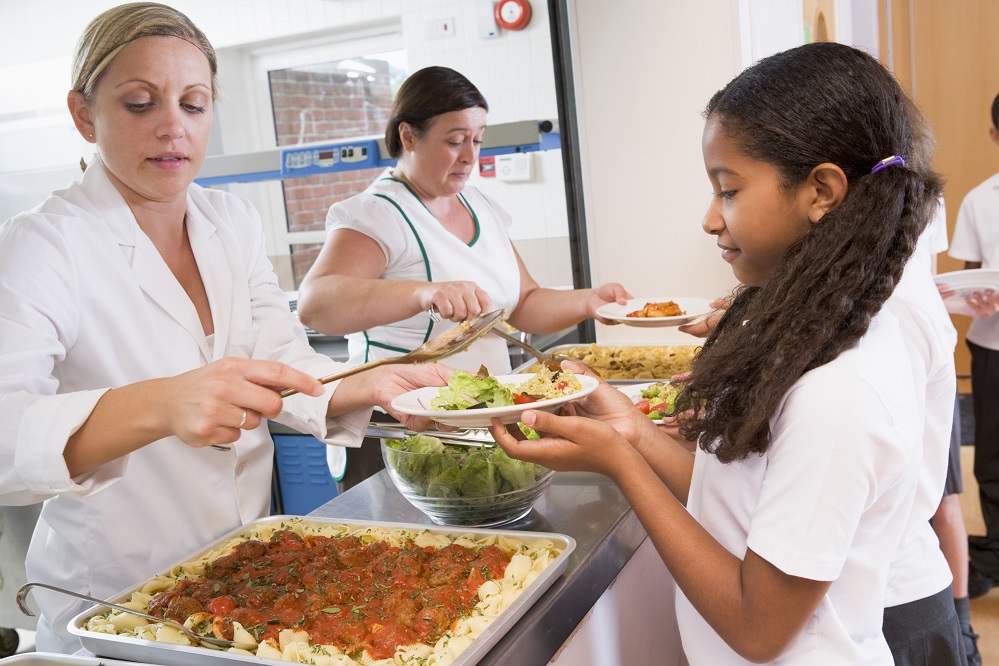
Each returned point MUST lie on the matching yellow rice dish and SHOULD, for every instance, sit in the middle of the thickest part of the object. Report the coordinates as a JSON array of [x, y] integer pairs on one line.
[[632, 361]]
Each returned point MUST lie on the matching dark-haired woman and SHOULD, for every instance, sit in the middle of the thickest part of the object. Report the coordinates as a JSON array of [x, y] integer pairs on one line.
[[420, 241], [781, 528]]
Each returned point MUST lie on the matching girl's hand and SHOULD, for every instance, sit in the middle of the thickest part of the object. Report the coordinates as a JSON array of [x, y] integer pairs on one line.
[[671, 427], [568, 443], [703, 326], [984, 303], [611, 292], [207, 406], [456, 301]]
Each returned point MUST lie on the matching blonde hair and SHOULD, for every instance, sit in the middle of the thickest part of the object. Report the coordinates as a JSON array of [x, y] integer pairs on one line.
[[112, 30]]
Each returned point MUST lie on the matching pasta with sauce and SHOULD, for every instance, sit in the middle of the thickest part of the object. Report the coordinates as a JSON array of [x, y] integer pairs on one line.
[[632, 361], [501, 568]]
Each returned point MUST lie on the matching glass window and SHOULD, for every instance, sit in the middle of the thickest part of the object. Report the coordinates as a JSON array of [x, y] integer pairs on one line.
[[334, 100]]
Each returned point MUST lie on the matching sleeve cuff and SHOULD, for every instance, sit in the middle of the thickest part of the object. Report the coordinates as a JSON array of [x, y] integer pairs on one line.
[[46, 426]]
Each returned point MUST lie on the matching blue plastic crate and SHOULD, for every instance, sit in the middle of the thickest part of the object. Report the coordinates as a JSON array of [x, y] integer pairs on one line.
[[303, 478]]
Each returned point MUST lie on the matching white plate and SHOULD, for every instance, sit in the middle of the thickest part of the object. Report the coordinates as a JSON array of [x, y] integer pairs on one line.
[[694, 308], [964, 284], [417, 403], [634, 391]]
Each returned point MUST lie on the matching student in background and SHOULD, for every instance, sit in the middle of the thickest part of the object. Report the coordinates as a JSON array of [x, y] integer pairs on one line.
[[976, 241], [805, 409]]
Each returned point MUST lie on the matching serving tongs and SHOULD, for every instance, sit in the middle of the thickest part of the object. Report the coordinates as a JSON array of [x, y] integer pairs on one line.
[[551, 361], [446, 344], [190, 633], [462, 437]]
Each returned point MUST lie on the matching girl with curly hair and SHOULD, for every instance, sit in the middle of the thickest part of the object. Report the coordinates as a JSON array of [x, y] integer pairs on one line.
[[780, 527]]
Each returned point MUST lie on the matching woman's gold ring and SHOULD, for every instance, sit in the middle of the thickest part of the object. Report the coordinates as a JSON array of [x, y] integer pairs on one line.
[[243, 421]]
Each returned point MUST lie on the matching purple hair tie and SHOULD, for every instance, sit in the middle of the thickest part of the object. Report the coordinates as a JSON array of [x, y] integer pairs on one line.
[[887, 162]]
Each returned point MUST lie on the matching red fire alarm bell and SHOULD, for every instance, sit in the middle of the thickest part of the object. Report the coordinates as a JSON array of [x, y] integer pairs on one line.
[[487, 167], [513, 14]]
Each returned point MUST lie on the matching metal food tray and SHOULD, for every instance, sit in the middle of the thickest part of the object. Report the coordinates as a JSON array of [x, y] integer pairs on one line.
[[563, 349], [54, 659], [134, 649]]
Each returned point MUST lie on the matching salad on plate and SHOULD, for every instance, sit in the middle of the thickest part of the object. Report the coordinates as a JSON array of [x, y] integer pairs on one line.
[[482, 390]]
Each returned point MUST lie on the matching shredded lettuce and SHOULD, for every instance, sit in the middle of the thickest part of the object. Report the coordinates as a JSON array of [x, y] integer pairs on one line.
[[458, 471], [466, 391]]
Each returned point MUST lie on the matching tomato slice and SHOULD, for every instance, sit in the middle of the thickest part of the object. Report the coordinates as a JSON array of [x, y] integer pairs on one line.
[[521, 399], [643, 406]]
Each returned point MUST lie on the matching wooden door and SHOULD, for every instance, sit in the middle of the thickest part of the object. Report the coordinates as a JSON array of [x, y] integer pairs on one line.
[[945, 54]]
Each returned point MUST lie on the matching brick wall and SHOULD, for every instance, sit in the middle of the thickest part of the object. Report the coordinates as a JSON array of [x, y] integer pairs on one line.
[[322, 103]]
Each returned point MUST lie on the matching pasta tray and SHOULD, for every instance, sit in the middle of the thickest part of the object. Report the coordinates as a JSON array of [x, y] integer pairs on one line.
[[532, 562], [626, 364]]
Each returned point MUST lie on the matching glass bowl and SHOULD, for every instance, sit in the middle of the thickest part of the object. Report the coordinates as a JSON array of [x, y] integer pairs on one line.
[[470, 486]]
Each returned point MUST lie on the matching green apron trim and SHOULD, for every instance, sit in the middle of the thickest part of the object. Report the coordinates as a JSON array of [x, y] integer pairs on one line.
[[368, 344], [461, 197], [426, 263], [475, 219]]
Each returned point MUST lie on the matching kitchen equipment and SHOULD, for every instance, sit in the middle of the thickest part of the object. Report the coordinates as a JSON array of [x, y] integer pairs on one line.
[[459, 437], [129, 648], [208, 640], [461, 497], [447, 344]]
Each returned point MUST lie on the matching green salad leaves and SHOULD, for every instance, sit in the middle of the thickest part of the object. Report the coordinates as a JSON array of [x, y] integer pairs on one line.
[[467, 391], [458, 471]]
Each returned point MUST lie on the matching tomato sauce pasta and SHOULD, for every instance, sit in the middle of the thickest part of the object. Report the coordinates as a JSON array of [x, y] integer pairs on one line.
[[335, 594]]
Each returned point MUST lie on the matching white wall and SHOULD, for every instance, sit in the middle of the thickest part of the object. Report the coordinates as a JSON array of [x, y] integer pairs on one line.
[[644, 71]]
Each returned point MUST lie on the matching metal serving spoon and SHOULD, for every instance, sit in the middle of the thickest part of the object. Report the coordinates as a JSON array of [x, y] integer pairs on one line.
[[544, 359], [208, 640], [446, 344], [551, 361]]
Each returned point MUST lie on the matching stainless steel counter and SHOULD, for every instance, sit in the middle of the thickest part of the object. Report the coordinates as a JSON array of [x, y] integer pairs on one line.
[[587, 507]]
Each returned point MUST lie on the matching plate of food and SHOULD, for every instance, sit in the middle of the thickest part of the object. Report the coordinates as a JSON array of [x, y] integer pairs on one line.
[[964, 284], [334, 592], [656, 312], [656, 399], [473, 401]]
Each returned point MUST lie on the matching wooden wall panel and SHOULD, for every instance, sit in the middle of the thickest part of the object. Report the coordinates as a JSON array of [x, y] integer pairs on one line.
[[946, 55]]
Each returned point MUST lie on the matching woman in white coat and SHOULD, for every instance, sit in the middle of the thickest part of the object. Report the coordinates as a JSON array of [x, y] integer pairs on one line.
[[143, 332]]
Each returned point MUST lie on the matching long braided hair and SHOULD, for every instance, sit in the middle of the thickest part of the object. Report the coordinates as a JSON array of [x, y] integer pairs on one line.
[[822, 102]]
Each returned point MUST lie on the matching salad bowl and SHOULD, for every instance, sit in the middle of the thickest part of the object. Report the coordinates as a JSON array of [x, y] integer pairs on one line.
[[460, 485]]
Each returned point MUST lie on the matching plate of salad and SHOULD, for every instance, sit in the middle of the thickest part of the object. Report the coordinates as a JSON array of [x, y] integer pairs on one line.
[[473, 401], [657, 399]]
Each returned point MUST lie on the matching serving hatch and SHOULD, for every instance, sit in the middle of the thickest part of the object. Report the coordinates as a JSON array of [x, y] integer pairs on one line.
[[131, 648]]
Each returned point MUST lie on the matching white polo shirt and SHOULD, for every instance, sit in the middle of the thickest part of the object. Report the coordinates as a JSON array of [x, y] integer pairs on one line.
[[976, 238], [828, 501], [919, 569]]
